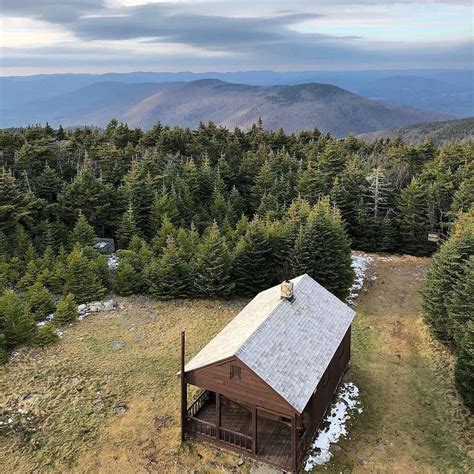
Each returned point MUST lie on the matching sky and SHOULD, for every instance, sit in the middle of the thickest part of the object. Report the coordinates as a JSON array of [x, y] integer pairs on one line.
[[97, 36]]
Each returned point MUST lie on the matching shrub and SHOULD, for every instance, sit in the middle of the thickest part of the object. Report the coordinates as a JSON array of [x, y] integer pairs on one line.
[[45, 335], [40, 302], [66, 310]]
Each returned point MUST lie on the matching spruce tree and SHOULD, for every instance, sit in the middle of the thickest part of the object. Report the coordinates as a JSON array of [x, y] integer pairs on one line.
[[45, 335], [412, 220], [81, 279], [322, 250], [167, 277], [251, 271], [15, 323], [127, 280], [444, 274], [40, 302], [66, 310], [212, 267], [83, 233], [127, 228]]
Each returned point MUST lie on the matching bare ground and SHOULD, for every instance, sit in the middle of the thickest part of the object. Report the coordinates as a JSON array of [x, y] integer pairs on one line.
[[105, 399]]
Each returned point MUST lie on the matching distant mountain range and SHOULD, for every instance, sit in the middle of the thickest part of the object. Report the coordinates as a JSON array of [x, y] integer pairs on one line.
[[448, 92], [60, 100], [440, 132]]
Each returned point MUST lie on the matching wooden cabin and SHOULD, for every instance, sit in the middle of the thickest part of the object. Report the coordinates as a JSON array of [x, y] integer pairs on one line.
[[269, 376]]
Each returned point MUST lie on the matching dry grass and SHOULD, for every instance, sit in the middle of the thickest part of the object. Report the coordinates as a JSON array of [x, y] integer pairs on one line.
[[412, 420], [77, 385]]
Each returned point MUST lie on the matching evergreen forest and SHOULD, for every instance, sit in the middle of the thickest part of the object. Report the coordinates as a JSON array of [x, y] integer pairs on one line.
[[217, 213]]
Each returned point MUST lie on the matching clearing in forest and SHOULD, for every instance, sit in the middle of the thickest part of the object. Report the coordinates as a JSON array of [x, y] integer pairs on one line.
[[105, 398]]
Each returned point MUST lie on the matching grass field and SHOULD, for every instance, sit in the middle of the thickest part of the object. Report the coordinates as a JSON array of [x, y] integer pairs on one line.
[[105, 399]]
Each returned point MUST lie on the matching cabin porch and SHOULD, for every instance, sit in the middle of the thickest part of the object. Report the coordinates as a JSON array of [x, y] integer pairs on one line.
[[251, 430]]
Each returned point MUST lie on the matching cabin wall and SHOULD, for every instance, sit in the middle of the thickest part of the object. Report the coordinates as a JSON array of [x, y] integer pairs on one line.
[[322, 397], [248, 389]]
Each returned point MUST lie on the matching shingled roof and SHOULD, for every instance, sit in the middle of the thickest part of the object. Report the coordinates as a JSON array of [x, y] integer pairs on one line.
[[288, 344]]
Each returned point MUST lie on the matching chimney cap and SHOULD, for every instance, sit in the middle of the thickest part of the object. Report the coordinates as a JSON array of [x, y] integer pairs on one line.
[[286, 290]]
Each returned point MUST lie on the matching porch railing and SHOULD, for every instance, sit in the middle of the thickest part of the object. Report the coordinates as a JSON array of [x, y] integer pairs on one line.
[[198, 403], [202, 427], [235, 438]]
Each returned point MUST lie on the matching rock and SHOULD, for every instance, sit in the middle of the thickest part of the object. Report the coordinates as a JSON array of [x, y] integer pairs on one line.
[[105, 246], [360, 462], [82, 308], [120, 409], [117, 345], [335, 448], [137, 337], [380, 447], [241, 462], [108, 305], [95, 306]]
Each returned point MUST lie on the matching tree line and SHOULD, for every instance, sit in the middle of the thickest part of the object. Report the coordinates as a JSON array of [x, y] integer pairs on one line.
[[206, 212], [449, 301]]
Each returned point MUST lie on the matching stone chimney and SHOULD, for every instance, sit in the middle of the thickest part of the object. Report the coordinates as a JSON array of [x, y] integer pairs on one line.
[[286, 290]]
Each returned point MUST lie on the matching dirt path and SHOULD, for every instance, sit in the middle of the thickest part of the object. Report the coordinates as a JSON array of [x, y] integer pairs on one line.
[[413, 420]]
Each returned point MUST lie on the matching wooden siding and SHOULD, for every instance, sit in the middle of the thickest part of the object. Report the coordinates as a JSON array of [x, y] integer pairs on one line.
[[248, 389], [322, 397]]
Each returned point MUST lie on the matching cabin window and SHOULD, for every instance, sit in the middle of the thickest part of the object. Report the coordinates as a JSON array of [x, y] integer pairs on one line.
[[234, 372]]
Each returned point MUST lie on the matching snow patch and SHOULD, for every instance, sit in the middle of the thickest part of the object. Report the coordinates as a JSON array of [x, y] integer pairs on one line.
[[112, 261], [360, 264], [334, 425]]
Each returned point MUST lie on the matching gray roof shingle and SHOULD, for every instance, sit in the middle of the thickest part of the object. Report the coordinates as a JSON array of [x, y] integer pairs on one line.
[[287, 344]]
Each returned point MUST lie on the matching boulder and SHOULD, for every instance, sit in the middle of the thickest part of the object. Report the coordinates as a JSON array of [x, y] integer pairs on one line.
[[105, 246]]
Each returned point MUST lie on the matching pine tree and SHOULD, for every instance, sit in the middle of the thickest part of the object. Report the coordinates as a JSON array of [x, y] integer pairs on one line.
[[322, 250], [310, 183], [212, 268], [331, 163], [444, 274], [127, 228], [83, 233], [48, 185], [264, 183], [66, 310], [140, 191], [45, 335], [159, 241], [40, 302], [251, 271], [15, 323], [164, 204], [127, 280], [81, 279], [464, 370], [412, 220], [3, 350], [167, 277]]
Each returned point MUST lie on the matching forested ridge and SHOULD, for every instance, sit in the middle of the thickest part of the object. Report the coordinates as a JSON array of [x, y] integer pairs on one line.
[[206, 212]]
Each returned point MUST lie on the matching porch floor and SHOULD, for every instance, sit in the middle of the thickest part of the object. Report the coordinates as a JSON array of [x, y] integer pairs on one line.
[[273, 437]]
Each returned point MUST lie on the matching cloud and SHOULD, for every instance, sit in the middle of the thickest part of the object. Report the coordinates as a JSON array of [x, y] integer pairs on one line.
[[211, 35], [55, 11]]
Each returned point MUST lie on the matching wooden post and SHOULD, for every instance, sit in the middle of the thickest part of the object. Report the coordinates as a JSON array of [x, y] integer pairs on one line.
[[218, 415], [254, 430], [294, 443], [184, 386]]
